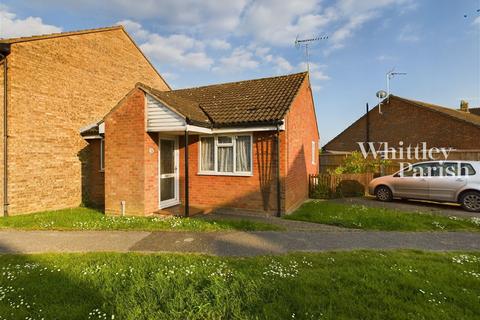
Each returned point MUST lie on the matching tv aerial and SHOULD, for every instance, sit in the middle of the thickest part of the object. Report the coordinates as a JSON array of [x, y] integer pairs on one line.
[[305, 43], [389, 76]]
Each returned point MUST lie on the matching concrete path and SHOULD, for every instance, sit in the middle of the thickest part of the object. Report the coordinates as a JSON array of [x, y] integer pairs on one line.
[[230, 243]]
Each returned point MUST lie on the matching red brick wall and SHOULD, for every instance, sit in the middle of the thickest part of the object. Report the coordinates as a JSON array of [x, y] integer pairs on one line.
[[151, 173], [256, 193], [127, 159], [131, 171], [93, 191], [402, 121], [301, 131]]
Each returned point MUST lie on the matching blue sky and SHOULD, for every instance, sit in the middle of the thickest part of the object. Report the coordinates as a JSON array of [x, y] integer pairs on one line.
[[201, 42]]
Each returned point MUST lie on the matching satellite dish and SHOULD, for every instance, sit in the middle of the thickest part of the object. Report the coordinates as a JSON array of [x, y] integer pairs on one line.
[[381, 94]]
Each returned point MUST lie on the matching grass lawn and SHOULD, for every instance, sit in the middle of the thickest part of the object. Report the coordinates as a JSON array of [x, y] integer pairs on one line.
[[89, 219], [334, 285], [369, 218]]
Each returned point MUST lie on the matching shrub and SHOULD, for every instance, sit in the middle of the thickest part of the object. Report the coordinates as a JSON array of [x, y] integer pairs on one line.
[[321, 191], [356, 163]]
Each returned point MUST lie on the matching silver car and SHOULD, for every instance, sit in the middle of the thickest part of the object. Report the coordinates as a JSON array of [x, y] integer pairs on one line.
[[443, 181]]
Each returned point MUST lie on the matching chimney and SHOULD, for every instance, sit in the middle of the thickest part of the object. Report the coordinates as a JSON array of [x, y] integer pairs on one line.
[[464, 105]]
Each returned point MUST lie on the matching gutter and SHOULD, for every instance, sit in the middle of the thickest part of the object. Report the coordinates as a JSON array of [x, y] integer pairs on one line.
[[4, 52], [279, 194]]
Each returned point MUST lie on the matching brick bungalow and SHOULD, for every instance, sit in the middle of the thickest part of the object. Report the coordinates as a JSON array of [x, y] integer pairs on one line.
[[413, 122], [50, 87], [250, 146]]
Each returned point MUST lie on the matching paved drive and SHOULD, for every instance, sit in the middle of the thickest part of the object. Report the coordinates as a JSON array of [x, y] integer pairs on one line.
[[230, 243]]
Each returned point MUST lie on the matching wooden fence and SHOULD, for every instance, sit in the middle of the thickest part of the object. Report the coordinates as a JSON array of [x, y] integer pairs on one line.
[[340, 184], [330, 161]]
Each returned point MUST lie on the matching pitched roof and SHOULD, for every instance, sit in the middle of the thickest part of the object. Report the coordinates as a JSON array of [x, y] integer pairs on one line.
[[59, 34], [242, 103], [188, 108], [7, 42], [453, 113], [245, 102]]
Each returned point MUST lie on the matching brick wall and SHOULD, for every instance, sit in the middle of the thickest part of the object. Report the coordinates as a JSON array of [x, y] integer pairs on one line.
[[131, 159], [301, 131], [255, 193], [93, 190], [2, 79], [57, 86], [402, 121]]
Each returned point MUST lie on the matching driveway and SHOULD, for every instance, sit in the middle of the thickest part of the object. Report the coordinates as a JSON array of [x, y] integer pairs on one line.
[[230, 243], [451, 209]]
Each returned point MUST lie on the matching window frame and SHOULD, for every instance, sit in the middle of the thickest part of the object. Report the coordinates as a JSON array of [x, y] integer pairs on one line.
[[233, 144], [102, 155]]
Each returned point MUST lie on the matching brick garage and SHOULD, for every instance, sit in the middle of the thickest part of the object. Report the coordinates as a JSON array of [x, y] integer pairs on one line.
[[56, 85], [412, 122], [132, 146]]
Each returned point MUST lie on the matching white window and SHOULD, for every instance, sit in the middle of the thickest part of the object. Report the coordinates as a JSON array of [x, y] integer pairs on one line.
[[314, 153], [226, 154], [102, 155]]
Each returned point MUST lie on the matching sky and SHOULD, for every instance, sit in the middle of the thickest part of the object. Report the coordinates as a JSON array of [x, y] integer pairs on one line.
[[194, 43]]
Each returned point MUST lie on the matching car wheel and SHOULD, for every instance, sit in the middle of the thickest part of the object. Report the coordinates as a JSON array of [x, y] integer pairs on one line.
[[470, 201], [383, 193]]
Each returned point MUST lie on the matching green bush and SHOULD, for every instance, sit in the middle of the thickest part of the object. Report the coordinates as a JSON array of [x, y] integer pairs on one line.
[[356, 163], [321, 191]]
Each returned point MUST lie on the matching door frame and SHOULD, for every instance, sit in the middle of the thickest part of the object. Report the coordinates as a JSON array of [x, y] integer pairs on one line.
[[176, 200]]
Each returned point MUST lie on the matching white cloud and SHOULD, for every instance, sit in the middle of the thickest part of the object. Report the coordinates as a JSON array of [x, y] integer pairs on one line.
[[353, 14], [279, 22], [219, 44], [347, 30], [282, 65], [241, 58], [408, 34], [211, 16], [11, 26], [176, 50], [385, 57], [477, 21], [316, 71]]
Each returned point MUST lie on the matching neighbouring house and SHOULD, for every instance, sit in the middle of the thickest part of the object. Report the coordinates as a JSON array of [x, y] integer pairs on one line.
[[247, 145], [51, 86], [402, 122], [413, 122], [475, 111]]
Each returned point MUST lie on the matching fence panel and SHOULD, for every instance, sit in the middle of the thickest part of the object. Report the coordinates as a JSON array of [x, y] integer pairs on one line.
[[333, 182]]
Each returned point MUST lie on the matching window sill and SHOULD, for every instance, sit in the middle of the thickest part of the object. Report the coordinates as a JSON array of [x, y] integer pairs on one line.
[[101, 170], [228, 174]]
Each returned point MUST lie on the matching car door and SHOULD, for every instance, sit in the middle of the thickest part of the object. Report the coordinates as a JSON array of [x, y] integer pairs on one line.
[[412, 182], [444, 186]]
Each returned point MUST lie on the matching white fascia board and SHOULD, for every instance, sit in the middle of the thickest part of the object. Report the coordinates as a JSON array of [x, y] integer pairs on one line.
[[168, 129], [101, 128], [92, 137], [198, 129]]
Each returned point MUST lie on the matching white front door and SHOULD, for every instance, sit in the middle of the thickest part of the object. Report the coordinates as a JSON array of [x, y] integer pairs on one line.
[[168, 172]]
